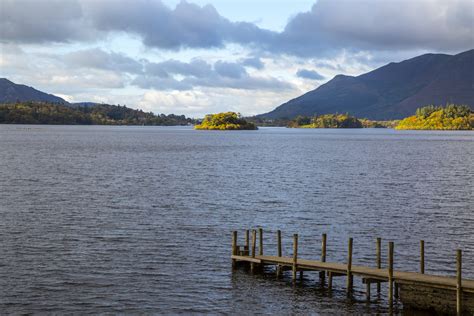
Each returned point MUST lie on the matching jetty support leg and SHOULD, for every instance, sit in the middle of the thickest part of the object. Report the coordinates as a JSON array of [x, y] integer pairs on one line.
[[234, 248], [279, 267], [260, 238], [378, 251], [322, 274], [349, 267], [422, 256], [459, 282], [254, 244], [295, 254], [390, 274]]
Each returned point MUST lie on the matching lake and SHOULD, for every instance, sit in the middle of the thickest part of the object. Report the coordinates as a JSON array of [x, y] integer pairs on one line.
[[138, 219]]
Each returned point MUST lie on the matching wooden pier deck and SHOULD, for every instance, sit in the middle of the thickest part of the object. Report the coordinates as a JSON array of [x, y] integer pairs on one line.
[[463, 288]]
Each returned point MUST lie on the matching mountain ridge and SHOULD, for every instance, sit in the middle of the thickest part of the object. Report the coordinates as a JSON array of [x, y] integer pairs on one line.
[[392, 91], [11, 92]]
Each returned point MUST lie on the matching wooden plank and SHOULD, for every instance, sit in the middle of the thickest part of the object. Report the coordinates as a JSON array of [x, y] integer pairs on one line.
[[246, 258], [401, 277]]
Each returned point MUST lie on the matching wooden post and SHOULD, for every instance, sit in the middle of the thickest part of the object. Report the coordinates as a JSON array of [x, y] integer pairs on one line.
[[323, 255], [330, 280], [234, 247], [422, 256], [247, 241], [349, 267], [279, 242], [260, 237], [295, 254], [279, 268], [459, 282], [390, 274], [367, 291], [254, 244], [378, 251]]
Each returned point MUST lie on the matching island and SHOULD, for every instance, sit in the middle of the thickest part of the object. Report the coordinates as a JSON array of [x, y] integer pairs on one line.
[[451, 117], [225, 121]]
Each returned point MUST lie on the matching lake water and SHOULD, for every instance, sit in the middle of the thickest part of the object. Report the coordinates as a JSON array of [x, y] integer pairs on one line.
[[139, 219]]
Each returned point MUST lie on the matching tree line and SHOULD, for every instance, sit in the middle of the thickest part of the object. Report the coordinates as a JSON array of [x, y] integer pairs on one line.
[[98, 114]]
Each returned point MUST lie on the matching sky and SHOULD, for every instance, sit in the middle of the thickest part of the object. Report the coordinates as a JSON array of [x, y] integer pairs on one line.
[[205, 56]]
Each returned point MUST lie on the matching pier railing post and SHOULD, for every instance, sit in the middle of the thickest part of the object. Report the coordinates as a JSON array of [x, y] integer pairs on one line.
[[254, 244], [378, 251], [295, 254], [247, 241], [390, 274], [279, 252], [459, 282], [349, 267], [422, 256], [234, 247], [323, 255], [260, 238]]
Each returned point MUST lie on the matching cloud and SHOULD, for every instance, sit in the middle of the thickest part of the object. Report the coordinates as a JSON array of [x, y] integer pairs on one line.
[[230, 70], [99, 59], [253, 62], [356, 25], [39, 21], [309, 74], [329, 27], [177, 75], [197, 68]]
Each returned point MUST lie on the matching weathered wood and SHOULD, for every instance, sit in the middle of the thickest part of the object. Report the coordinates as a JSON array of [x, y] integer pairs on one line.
[[254, 244], [279, 243], [390, 274], [323, 255], [422, 256], [459, 282], [330, 280], [234, 247], [279, 267], [367, 291], [349, 266], [340, 269], [378, 250], [260, 238], [295, 254], [247, 240]]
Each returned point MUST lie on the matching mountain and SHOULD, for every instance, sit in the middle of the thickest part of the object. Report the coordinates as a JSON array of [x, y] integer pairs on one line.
[[11, 92], [393, 91]]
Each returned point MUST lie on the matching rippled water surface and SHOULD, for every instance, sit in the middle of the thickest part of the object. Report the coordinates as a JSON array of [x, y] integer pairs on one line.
[[139, 219]]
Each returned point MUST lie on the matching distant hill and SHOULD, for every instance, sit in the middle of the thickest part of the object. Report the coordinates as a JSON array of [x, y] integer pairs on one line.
[[11, 92], [393, 91]]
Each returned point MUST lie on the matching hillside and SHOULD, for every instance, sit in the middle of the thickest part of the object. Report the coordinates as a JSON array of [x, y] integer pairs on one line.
[[11, 92], [393, 91]]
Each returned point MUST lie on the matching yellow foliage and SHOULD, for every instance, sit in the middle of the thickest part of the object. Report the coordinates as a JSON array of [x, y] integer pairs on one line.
[[439, 119], [225, 121]]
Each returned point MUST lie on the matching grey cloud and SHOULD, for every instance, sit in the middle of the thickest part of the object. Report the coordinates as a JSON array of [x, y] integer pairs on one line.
[[99, 59], [230, 70], [253, 62], [36, 21], [187, 26], [327, 29], [332, 26], [197, 68], [198, 73], [309, 74]]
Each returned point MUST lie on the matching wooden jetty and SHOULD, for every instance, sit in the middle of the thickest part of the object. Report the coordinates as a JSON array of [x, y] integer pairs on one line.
[[442, 294]]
